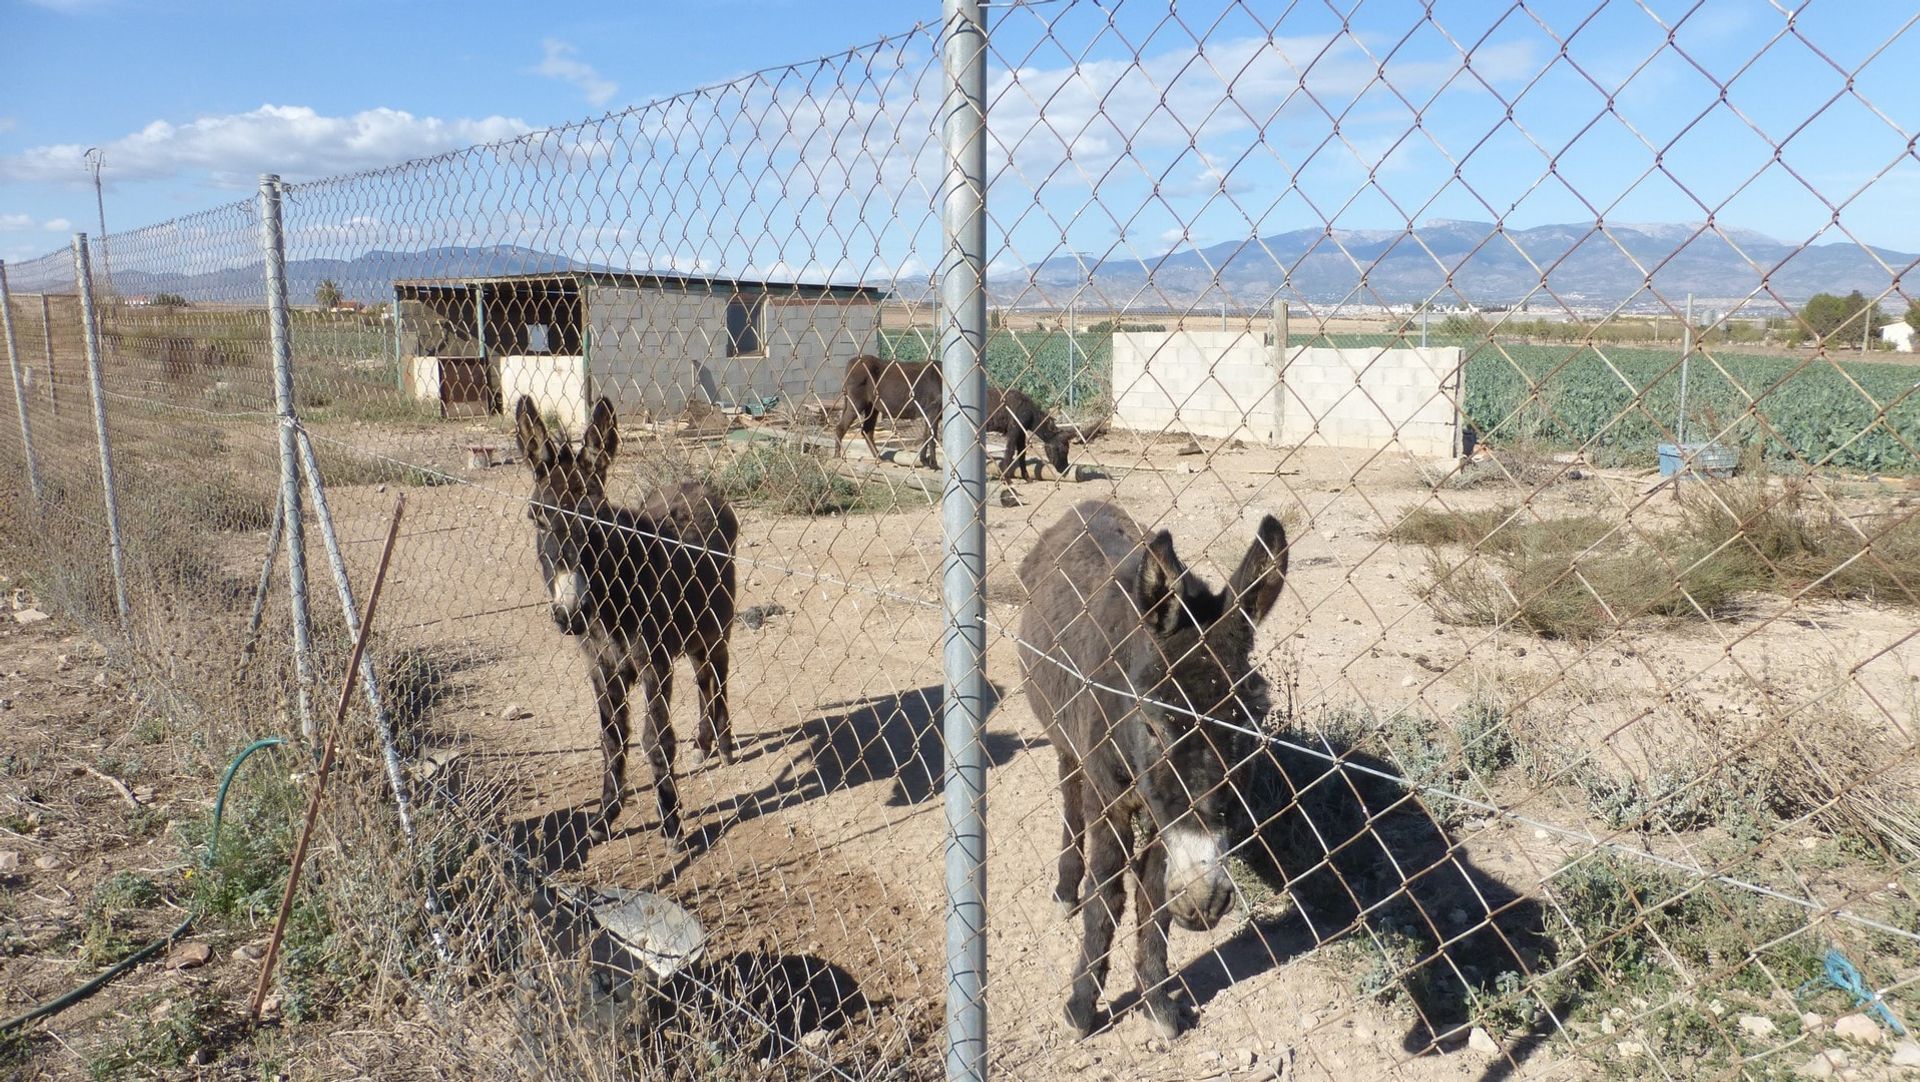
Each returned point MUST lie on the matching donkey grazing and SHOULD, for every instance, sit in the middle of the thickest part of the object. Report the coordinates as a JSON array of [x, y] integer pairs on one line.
[[1121, 648], [640, 588], [904, 389]]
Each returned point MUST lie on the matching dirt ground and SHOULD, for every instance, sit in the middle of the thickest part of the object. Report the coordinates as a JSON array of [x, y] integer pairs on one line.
[[826, 837]]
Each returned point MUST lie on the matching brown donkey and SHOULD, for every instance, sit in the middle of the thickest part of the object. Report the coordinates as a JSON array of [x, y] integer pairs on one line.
[[641, 588], [876, 388], [1141, 675]]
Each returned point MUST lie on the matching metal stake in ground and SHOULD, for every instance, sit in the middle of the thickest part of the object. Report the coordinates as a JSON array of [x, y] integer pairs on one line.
[[280, 337], [326, 761], [90, 331]]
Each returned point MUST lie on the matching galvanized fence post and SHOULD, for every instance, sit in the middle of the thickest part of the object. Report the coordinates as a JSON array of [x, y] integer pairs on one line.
[[19, 385], [46, 335], [963, 514], [280, 336], [90, 332]]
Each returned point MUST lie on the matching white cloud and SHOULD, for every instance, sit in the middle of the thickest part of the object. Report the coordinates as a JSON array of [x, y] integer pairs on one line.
[[56, 225], [16, 221], [292, 140], [560, 62]]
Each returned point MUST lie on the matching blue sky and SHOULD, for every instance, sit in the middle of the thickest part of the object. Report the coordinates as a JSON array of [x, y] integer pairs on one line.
[[1113, 128]]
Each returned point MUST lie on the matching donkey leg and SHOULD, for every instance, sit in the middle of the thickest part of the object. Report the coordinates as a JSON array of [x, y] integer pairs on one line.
[[656, 736], [1073, 839], [848, 415], [610, 693], [716, 728], [1107, 860], [866, 431], [1152, 922]]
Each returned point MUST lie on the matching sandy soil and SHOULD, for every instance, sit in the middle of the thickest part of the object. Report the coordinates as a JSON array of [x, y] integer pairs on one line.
[[827, 835]]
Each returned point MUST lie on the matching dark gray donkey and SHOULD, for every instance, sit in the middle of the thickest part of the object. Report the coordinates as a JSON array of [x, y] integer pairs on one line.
[[1124, 652], [640, 588]]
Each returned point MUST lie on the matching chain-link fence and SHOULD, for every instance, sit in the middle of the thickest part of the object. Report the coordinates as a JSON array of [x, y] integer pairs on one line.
[[1525, 680]]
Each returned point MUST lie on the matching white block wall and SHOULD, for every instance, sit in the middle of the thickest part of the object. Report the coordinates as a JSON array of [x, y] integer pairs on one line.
[[1209, 383], [1229, 385], [1406, 398], [557, 383]]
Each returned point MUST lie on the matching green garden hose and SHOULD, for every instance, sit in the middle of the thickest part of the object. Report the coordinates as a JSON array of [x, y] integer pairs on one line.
[[55, 1006]]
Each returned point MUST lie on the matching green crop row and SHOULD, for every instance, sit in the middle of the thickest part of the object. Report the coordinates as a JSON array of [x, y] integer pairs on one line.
[[1071, 372], [1621, 402]]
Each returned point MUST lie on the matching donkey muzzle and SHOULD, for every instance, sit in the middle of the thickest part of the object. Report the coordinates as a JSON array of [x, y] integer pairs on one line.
[[1199, 891], [569, 598]]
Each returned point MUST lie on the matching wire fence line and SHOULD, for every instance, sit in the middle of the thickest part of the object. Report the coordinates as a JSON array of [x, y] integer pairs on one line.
[[1580, 734]]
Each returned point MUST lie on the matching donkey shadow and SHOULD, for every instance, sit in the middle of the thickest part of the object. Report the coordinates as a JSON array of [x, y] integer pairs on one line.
[[1340, 832], [894, 739]]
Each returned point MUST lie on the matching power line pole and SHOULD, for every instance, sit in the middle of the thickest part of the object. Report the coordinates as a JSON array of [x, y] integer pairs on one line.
[[94, 157]]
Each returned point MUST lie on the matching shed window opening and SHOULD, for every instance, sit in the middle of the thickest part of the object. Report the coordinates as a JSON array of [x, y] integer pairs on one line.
[[745, 332]]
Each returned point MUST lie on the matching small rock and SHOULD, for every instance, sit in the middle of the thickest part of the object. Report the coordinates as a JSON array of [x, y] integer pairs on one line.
[[9, 861], [1242, 1059], [30, 616], [63, 662], [249, 952], [1541, 834], [1408, 681], [1718, 1008], [815, 1039], [1859, 1029], [100, 679], [515, 712], [1907, 1054], [1008, 497], [1519, 651], [48, 862], [1156, 1044], [1822, 1065], [1607, 1027], [1192, 448], [1212, 1057], [189, 956], [1630, 1049], [1811, 1021], [1759, 1027], [145, 793], [1481, 1041]]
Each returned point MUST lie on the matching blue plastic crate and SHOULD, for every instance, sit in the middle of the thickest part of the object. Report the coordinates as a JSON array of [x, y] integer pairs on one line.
[[1707, 459]]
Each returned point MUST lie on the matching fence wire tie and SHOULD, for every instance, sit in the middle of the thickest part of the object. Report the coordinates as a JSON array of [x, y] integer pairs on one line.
[[1838, 971]]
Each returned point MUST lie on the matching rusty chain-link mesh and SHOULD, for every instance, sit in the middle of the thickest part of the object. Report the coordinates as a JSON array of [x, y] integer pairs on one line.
[[1569, 732]]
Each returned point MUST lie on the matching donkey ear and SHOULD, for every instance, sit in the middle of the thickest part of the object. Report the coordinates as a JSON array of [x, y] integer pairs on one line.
[[603, 435], [1156, 587], [531, 434], [1257, 582]]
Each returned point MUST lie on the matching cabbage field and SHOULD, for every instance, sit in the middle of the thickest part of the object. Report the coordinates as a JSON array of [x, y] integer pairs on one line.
[[1617, 402]]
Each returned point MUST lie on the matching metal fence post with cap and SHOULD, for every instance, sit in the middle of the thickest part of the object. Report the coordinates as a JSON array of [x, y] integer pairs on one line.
[[963, 338], [19, 385], [90, 332], [280, 338]]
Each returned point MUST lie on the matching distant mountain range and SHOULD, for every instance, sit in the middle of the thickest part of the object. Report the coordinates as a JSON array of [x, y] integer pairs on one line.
[[367, 278], [1454, 261], [1449, 261]]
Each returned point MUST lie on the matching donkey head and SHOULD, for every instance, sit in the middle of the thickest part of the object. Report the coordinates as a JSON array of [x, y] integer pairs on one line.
[[1056, 441], [1198, 686], [569, 484]]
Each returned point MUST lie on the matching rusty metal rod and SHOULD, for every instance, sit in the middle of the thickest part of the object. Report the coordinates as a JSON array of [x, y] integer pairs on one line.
[[326, 763]]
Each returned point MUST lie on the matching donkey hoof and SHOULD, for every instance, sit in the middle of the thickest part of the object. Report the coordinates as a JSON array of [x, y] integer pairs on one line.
[[1167, 1016], [1083, 1016]]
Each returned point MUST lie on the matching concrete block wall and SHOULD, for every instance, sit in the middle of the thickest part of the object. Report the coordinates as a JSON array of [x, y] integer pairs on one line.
[[1209, 383], [1229, 385]]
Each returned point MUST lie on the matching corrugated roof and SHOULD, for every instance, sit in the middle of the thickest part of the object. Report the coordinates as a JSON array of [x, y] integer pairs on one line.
[[650, 278]]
